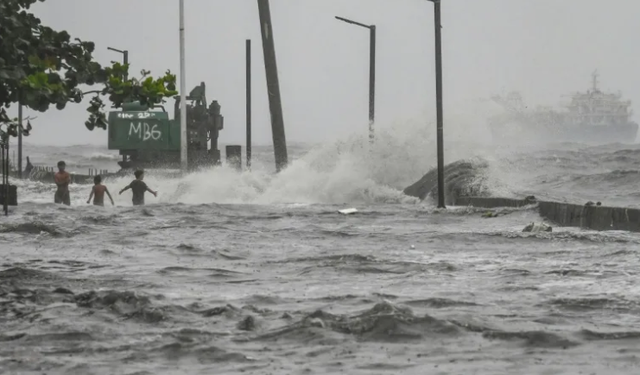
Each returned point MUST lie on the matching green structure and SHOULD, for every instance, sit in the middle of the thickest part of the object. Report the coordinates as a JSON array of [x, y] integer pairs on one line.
[[149, 138]]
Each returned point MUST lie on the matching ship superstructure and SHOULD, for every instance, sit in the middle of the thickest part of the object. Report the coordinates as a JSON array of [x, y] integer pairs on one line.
[[591, 117]]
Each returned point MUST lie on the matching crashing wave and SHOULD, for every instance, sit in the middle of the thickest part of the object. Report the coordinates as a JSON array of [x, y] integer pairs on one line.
[[461, 178]]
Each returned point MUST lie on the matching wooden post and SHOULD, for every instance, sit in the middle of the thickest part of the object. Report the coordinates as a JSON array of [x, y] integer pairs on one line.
[[273, 86]]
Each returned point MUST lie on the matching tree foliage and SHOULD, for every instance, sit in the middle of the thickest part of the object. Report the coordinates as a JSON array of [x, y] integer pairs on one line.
[[41, 67]]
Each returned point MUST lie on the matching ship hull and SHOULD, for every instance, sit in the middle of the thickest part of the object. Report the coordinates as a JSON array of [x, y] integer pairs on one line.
[[559, 133]]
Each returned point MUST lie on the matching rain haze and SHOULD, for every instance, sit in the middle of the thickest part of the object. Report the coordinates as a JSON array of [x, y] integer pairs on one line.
[[545, 49]]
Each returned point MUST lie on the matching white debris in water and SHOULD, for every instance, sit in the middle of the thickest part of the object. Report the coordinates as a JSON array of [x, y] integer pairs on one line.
[[538, 227]]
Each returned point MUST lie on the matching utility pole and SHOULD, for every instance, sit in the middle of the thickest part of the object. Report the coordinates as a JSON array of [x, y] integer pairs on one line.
[[20, 139], [4, 149], [248, 100], [440, 141], [183, 96], [372, 72], [273, 86]]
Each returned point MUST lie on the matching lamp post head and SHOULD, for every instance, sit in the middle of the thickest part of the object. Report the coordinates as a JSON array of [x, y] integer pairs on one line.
[[115, 50], [354, 22]]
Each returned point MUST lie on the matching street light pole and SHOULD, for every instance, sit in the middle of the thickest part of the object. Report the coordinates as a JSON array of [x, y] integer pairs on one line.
[[248, 100], [372, 80], [183, 96], [125, 61], [125, 58], [440, 141], [372, 71]]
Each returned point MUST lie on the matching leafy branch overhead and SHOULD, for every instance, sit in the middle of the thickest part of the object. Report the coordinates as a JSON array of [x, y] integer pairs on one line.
[[10, 127], [146, 90], [41, 67]]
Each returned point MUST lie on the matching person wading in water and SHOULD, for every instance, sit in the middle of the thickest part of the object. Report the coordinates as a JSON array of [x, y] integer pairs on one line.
[[97, 192], [138, 187], [62, 179]]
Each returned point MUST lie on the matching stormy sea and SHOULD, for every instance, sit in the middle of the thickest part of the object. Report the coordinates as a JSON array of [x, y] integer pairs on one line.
[[253, 272]]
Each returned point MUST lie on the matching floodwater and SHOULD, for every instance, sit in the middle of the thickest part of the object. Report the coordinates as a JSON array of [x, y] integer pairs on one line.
[[253, 273]]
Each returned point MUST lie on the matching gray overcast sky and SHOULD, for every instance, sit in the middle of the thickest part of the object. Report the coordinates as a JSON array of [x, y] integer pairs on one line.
[[543, 48]]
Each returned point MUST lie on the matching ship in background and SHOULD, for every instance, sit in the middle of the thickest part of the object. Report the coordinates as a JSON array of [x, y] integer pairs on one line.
[[592, 117]]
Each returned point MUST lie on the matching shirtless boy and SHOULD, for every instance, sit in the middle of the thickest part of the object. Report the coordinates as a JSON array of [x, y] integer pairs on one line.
[[62, 179], [97, 192]]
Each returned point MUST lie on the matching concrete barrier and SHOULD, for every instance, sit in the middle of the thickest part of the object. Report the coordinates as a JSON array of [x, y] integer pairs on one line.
[[566, 214], [46, 175], [492, 202]]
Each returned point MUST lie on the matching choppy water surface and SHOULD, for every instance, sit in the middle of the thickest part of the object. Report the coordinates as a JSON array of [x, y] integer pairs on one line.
[[258, 274]]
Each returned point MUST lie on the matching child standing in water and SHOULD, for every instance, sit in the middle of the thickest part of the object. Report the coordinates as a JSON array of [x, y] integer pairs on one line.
[[138, 187], [98, 191], [62, 179]]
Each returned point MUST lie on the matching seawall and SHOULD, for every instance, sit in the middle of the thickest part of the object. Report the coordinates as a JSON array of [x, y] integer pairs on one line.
[[566, 214], [47, 176]]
